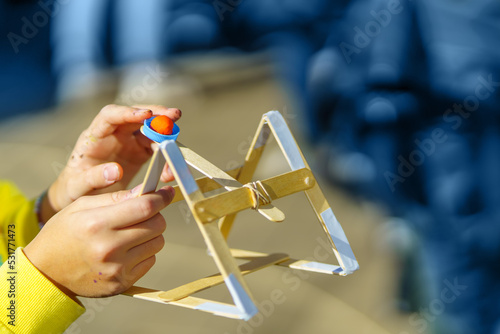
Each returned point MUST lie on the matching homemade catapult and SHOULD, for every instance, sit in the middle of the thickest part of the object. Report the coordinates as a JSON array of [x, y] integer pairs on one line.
[[215, 216]]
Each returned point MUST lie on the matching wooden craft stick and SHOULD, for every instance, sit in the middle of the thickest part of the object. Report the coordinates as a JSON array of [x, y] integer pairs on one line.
[[217, 206], [224, 206], [207, 168], [331, 226], [248, 169], [205, 184], [154, 171], [306, 265], [193, 303], [213, 238], [209, 281]]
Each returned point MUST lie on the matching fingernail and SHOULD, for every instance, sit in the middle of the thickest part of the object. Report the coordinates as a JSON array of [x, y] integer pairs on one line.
[[134, 191], [169, 191], [178, 112], [172, 191], [141, 111], [111, 173]]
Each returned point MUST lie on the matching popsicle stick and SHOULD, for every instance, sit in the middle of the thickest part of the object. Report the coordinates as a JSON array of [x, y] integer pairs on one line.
[[324, 213], [207, 168], [205, 184], [305, 265], [247, 171], [224, 206], [213, 238], [217, 206], [209, 281], [154, 171], [193, 303]]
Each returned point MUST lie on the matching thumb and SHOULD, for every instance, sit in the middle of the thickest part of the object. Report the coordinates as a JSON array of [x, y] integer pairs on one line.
[[97, 177], [103, 200]]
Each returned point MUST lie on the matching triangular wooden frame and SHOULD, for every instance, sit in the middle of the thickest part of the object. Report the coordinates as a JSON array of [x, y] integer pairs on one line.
[[215, 215]]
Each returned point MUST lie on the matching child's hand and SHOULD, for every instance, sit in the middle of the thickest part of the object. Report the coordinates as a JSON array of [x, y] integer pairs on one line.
[[101, 245], [106, 156]]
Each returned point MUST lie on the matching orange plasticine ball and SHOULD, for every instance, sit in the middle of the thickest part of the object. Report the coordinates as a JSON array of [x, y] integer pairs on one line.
[[162, 124]]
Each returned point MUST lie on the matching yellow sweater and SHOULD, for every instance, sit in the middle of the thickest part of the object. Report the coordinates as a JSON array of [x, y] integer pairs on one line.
[[29, 302]]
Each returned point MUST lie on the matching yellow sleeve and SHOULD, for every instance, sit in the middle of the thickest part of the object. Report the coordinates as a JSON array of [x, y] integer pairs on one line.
[[30, 303], [18, 221]]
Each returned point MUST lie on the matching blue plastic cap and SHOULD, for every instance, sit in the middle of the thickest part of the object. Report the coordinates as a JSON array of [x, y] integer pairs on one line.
[[158, 137]]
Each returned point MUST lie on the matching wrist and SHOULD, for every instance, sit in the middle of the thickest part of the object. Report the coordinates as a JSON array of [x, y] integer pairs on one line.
[[37, 261], [44, 208]]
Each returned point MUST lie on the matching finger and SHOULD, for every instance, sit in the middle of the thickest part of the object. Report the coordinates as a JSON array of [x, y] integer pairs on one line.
[[142, 253], [167, 175], [143, 141], [142, 268], [140, 233], [145, 250], [111, 116], [173, 113], [97, 177], [102, 200], [131, 211]]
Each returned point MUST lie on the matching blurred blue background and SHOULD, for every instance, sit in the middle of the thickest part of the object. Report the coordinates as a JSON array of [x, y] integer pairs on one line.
[[399, 98]]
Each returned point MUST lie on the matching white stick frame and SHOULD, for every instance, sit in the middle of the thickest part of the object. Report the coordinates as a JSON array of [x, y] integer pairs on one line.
[[215, 216]]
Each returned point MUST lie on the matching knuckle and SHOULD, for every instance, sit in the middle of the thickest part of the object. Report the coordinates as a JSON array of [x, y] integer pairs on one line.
[[154, 245], [115, 277], [160, 223], [91, 179], [115, 288], [93, 227], [169, 196], [108, 108], [146, 207], [117, 272], [80, 202], [116, 196], [100, 253], [104, 253], [151, 261], [117, 284], [157, 244]]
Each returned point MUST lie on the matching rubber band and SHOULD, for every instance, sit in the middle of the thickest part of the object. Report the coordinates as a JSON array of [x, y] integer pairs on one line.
[[259, 193]]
